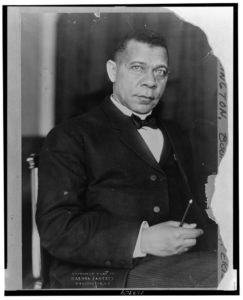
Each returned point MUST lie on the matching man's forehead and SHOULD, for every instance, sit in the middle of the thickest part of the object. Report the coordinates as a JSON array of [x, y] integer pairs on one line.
[[136, 50], [137, 43]]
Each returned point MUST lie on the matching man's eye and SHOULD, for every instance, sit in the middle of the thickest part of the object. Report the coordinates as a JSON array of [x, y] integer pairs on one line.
[[137, 68], [162, 72]]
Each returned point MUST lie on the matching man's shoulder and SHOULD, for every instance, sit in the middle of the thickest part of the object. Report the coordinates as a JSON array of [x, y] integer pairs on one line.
[[178, 136], [94, 117], [173, 128], [75, 129]]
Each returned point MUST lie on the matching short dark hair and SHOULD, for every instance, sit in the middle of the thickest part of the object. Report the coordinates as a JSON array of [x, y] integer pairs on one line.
[[145, 36]]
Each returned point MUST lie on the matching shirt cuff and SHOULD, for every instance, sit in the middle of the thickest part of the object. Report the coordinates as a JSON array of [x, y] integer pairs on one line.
[[137, 251]]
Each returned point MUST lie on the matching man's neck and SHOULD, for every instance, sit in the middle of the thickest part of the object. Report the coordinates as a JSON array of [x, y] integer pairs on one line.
[[125, 110]]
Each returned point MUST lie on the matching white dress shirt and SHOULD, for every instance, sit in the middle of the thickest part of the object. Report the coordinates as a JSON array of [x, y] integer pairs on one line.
[[153, 137], [154, 140]]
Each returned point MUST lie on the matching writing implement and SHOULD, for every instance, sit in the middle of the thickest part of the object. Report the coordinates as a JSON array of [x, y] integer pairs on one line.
[[186, 212]]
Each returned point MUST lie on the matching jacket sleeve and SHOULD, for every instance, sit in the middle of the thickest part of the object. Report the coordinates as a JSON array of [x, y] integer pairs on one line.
[[209, 240], [67, 229]]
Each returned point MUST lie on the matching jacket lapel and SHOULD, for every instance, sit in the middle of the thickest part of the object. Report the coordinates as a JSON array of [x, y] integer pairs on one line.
[[128, 134], [182, 153]]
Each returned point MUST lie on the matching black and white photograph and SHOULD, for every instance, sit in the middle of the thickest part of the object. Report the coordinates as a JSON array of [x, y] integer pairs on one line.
[[119, 134]]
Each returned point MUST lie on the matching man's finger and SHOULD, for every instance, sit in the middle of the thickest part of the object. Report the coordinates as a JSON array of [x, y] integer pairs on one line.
[[182, 250], [188, 233], [173, 223], [188, 243], [186, 225]]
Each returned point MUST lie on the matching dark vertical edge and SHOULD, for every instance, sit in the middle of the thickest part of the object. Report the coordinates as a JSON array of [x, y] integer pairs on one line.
[[5, 173], [235, 144], [58, 73]]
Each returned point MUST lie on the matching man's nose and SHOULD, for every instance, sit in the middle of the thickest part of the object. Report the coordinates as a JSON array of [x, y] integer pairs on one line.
[[149, 80]]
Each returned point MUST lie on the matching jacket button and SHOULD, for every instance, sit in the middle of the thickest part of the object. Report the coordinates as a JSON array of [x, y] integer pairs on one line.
[[153, 177], [156, 209], [108, 263]]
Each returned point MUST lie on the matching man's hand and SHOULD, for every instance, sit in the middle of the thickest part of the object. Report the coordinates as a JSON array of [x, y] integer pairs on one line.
[[168, 238]]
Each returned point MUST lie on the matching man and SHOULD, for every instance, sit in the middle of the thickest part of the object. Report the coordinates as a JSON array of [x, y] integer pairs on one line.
[[115, 183]]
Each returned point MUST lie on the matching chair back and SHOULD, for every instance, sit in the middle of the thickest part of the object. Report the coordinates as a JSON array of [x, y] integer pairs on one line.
[[33, 161]]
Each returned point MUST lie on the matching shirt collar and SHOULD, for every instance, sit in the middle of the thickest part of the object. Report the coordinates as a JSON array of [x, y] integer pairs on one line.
[[126, 111]]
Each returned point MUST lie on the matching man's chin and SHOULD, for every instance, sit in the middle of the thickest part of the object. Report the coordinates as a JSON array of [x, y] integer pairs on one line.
[[144, 109]]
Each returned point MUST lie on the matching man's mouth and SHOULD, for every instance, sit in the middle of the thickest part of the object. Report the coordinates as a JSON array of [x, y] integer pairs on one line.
[[146, 98]]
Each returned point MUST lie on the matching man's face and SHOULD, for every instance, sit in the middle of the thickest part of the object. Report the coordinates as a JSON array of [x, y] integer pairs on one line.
[[140, 76]]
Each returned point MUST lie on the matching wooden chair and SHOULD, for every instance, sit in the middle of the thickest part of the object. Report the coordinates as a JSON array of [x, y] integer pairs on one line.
[[33, 161]]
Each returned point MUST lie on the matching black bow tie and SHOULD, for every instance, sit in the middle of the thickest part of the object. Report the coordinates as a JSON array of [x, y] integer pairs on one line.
[[150, 121]]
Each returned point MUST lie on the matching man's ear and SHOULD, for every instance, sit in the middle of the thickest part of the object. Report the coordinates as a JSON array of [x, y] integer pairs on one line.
[[111, 69]]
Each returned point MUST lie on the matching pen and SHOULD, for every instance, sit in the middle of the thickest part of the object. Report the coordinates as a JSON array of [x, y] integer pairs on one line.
[[186, 212]]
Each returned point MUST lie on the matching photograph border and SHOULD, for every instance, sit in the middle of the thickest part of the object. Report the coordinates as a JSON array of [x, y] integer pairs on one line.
[[10, 220]]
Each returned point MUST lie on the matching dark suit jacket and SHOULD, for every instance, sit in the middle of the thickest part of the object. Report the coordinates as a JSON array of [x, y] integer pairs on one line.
[[97, 182]]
